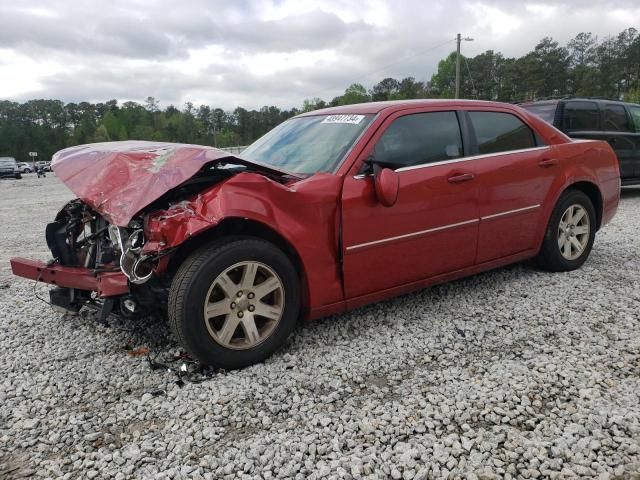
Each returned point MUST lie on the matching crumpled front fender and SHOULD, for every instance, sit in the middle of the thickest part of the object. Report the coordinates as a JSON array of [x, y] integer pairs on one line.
[[305, 214]]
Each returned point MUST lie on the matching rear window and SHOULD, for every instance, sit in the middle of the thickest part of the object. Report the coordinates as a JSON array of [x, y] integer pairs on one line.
[[500, 132], [546, 111], [615, 118], [7, 160], [581, 116]]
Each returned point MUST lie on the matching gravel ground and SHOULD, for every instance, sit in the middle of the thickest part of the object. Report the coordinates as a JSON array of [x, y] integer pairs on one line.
[[512, 373]]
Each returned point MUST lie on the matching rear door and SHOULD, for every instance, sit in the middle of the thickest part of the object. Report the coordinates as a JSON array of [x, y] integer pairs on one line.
[[618, 131], [514, 174]]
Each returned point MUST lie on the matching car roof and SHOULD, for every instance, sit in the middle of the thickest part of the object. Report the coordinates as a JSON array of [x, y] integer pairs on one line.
[[573, 99], [393, 105]]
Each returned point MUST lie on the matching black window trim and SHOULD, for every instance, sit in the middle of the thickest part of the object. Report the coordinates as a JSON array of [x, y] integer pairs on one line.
[[469, 143]]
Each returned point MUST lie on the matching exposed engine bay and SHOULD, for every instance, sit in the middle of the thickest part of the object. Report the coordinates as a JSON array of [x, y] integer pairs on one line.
[[80, 237]]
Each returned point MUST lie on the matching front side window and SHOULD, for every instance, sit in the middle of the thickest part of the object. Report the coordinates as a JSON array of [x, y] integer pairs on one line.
[[500, 132], [308, 145], [615, 118], [635, 114], [420, 138], [581, 116]]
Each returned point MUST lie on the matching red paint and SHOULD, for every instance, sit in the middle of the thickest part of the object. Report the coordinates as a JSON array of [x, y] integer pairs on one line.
[[118, 179], [107, 284], [448, 221]]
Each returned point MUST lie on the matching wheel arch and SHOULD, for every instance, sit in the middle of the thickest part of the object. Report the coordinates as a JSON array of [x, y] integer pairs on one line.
[[592, 191], [243, 226]]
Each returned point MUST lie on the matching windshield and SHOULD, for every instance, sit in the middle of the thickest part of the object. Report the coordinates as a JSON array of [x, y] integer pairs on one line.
[[7, 161], [307, 145]]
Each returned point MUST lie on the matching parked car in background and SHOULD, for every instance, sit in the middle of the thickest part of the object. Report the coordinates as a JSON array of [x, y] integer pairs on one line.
[[9, 167], [617, 123], [46, 166], [25, 167], [330, 210]]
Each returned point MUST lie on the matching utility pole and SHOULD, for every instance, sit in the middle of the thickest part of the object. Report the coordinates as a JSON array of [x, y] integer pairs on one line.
[[458, 40]]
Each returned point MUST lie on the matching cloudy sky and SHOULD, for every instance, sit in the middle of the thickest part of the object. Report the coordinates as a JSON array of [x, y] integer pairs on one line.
[[263, 52]]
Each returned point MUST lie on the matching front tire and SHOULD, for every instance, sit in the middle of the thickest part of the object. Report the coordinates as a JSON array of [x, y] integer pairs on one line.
[[570, 233], [234, 303]]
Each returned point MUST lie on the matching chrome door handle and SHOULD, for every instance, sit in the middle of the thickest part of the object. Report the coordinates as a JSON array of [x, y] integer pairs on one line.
[[461, 177]]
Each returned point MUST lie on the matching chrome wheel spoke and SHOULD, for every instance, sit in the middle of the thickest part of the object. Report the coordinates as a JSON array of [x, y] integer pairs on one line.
[[249, 276], [228, 329], [574, 241], [251, 333], [227, 285], [578, 215], [272, 312], [216, 309], [562, 238], [570, 213], [581, 230], [266, 287]]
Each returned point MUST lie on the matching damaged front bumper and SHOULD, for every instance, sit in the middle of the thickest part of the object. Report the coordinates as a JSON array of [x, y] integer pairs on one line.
[[105, 284], [75, 287]]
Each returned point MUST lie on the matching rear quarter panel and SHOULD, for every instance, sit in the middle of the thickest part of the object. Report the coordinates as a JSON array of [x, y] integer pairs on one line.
[[585, 161]]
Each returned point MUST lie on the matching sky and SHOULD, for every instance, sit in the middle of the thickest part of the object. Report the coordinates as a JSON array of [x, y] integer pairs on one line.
[[250, 53]]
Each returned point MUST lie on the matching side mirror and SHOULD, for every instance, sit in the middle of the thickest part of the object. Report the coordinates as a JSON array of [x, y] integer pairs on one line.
[[387, 185]]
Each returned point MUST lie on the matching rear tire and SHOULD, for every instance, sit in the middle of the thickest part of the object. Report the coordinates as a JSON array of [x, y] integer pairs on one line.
[[233, 303], [570, 233]]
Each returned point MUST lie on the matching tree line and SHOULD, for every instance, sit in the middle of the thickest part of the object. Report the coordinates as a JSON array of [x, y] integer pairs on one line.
[[586, 66]]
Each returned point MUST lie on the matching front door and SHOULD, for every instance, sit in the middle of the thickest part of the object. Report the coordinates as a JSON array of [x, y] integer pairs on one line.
[[432, 228]]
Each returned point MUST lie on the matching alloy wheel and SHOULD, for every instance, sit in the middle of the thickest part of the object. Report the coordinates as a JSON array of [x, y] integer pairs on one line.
[[573, 232], [244, 305]]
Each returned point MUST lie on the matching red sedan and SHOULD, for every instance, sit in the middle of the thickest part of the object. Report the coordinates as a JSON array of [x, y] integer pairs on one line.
[[331, 210]]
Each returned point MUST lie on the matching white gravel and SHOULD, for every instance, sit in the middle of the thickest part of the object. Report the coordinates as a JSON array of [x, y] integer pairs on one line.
[[512, 373]]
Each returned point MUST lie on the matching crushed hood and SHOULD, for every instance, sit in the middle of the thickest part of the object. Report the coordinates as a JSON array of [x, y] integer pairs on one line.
[[118, 179]]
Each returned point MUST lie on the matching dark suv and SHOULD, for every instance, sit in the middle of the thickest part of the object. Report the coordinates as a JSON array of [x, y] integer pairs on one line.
[[598, 119]]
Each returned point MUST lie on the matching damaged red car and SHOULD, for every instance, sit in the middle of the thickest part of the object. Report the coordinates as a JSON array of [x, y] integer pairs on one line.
[[331, 210]]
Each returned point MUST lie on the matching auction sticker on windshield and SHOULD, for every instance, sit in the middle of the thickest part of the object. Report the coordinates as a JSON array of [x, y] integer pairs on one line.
[[354, 119]]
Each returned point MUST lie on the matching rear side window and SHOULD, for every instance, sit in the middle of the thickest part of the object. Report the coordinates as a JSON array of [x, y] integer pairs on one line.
[[420, 138], [635, 114], [615, 118], [546, 111], [500, 132], [581, 116]]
